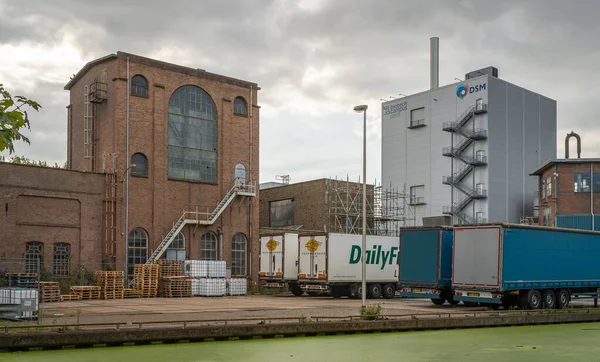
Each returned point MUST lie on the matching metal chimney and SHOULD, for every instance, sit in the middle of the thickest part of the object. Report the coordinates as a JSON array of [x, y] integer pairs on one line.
[[434, 62]]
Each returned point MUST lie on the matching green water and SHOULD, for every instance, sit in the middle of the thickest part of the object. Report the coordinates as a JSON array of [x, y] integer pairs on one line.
[[574, 342]]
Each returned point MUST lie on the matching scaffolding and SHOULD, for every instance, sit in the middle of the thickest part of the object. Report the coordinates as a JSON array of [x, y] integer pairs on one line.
[[387, 209]]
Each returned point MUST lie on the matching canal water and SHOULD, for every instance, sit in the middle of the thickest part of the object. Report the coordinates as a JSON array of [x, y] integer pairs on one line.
[[566, 342]]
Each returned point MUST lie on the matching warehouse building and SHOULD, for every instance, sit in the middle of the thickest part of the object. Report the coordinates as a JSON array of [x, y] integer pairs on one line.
[[466, 149], [177, 151]]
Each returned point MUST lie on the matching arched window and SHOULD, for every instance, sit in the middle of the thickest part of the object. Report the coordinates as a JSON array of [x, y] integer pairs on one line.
[[240, 174], [192, 135], [139, 86], [176, 250], [34, 256], [141, 164], [238, 255], [208, 247], [137, 248], [60, 259], [239, 107]]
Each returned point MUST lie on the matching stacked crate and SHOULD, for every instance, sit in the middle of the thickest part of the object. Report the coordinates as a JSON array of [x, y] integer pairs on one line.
[[237, 286], [87, 292], [70, 297], [175, 287], [21, 280], [208, 277], [130, 293], [49, 292], [145, 278], [111, 283], [170, 268]]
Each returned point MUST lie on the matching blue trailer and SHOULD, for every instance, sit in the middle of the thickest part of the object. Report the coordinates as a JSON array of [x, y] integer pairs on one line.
[[426, 264], [527, 266]]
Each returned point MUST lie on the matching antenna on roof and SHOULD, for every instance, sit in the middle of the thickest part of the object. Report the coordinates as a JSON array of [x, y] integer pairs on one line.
[[285, 179]]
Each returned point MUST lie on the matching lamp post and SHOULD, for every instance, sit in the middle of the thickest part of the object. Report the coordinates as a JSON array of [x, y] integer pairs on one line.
[[358, 109]]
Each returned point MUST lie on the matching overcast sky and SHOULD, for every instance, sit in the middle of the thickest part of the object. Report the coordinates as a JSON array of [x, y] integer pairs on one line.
[[314, 60]]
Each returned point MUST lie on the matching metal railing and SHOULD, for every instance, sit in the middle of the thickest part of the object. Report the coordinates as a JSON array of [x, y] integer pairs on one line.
[[417, 123]]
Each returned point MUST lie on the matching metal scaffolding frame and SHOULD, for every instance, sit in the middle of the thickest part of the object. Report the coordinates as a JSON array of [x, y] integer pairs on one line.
[[387, 208]]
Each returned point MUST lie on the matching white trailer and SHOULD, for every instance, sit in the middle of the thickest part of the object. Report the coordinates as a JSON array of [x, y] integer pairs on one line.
[[278, 260], [334, 261]]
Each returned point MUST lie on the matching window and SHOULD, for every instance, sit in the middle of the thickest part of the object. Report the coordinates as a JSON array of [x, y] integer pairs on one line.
[[480, 217], [480, 156], [139, 86], [240, 173], [417, 195], [546, 216], [137, 248], [543, 189], [192, 135], [582, 181], [178, 243], [60, 262], [34, 256], [141, 164], [281, 213], [480, 189], [208, 247], [417, 118], [239, 107], [238, 255], [549, 187]]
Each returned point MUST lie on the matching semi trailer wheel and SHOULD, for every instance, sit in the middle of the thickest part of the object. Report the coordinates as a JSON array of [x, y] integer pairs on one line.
[[563, 299], [389, 291], [438, 301], [549, 298], [336, 292], [374, 291], [296, 290], [534, 299]]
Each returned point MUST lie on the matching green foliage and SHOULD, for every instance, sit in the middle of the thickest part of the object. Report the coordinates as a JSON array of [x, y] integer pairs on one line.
[[22, 160], [13, 118], [370, 312]]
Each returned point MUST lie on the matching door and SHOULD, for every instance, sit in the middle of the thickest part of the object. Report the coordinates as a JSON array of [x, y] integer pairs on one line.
[[313, 258]]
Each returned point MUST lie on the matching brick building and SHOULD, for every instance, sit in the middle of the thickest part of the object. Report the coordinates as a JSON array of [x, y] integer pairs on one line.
[[171, 155], [569, 193]]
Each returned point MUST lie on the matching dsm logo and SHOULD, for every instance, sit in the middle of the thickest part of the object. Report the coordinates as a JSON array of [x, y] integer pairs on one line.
[[462, 90]]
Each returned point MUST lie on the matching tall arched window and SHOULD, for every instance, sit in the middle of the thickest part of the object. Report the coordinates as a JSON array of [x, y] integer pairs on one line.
[[60, 259], [139, 86], [239, 107], [137, 248], [208, 247], [34, 256], [238, 255], [192, 135], [176, 250], [141, 164]]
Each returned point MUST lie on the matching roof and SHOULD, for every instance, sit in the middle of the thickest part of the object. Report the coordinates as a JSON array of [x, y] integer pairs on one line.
[[542, 168], [163, 65]]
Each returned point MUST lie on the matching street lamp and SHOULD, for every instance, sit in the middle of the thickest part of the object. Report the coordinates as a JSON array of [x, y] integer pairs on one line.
[[358, 109]]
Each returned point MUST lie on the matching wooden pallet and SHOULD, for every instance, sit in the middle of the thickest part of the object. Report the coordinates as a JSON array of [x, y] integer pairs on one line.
[[112, 283], [49, 292], [146, 278], [130, 293], [175, 287], [170, 268], [70, 297], [87, 292], [21, 280]]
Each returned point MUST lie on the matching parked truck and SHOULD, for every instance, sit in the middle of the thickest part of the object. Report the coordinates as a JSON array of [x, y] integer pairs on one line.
[[527, 266], [278, 260], [426, 264], [334, 261]]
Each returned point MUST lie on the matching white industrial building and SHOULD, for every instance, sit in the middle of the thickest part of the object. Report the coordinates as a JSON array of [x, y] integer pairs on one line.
[[466, 149]]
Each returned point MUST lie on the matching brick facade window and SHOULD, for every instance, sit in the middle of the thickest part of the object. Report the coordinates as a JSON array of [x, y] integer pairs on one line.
[[281, 213], [238, 255], [139, 86], [192, 135], [34, 256], [137, 248], [208, 247], [240, 108], [178, 243], [60, 259], [141, 164]]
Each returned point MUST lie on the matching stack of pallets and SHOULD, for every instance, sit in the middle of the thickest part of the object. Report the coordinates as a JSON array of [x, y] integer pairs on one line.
[[130, 293], [175, 287], [21, 280], [170, 268], [49, 292], [145, 279], [111, 283], [87, 292], [69, 297]]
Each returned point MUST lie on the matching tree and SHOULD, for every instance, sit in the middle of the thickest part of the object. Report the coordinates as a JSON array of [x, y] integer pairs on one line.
[[13, 117]]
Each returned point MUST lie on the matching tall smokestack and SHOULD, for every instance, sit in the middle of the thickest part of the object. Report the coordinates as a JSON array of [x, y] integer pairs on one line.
[[434, 61]]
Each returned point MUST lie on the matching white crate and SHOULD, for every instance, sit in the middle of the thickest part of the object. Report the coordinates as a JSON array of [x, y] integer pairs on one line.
[[209, 287], [237, 286], [205, 268], [26, 300], [217, 269]]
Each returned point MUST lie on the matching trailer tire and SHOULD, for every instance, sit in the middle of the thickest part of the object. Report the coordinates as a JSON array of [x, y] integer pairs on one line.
[[438, 301], [374, 291], [549, 299], [296, 290], [389, 291], [450, 299], [534, 299], [562, 299]]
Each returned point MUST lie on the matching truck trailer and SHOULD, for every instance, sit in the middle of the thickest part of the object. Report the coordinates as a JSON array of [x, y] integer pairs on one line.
[[531, 267], [278, 260], [334, 261], [426, 263]]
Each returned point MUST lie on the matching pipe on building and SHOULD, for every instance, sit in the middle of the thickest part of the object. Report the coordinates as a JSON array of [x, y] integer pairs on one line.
[[592, 192], [126, 174], [569, 135], [250, 204], [220, 233], [434, 62]]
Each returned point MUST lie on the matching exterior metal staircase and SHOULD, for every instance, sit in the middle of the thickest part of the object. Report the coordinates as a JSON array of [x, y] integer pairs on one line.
[[459, 151], [196, 217]]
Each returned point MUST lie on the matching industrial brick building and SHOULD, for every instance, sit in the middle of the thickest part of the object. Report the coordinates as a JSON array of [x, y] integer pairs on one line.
[[466, 149], [177, 149]]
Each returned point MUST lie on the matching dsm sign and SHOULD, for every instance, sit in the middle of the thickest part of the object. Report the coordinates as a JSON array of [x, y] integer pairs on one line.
[[462, 90]]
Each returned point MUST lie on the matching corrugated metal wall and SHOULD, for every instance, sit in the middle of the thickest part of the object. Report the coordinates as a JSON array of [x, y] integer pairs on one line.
[[582, 221]]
